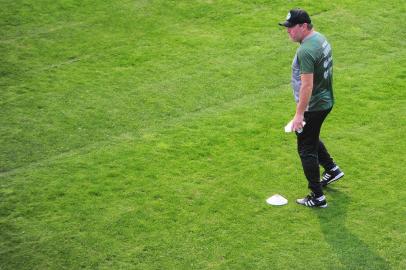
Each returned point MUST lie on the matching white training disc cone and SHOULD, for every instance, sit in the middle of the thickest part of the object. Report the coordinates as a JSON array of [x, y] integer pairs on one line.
[[276, 200]]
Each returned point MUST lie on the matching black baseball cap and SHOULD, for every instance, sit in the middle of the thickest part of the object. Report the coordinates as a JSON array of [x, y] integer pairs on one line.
[[296, 16]]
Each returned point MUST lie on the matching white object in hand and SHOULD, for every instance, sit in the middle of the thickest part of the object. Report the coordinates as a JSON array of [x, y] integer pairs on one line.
[[289, 127], [276, 200]]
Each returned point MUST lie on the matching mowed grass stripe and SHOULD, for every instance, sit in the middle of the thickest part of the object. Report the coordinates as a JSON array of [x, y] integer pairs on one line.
[[156, 127]]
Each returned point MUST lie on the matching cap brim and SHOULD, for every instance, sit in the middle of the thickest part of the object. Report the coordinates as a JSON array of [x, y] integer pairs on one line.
[[286, 24]]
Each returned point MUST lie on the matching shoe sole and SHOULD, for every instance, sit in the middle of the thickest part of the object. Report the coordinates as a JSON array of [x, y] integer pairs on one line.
[[338, 176], [321, 206]]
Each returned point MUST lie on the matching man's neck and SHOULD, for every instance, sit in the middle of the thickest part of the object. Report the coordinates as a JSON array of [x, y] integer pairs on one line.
[[306, 35]]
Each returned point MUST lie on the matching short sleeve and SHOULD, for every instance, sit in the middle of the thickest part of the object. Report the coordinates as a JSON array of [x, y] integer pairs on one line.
[[306, 61]]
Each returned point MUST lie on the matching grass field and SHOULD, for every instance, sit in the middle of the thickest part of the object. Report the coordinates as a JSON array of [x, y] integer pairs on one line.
[[148, 135]]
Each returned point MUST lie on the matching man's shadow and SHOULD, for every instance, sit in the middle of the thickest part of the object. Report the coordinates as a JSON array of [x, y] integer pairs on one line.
[[352, 252]]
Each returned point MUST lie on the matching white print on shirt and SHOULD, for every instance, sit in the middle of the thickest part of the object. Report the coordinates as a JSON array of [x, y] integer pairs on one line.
[[326, 52]]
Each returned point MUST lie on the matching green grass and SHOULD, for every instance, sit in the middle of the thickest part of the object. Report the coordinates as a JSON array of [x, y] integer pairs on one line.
[[148, 134]]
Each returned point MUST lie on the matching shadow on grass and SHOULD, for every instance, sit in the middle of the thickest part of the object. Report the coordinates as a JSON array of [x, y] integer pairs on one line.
[[352, 252]]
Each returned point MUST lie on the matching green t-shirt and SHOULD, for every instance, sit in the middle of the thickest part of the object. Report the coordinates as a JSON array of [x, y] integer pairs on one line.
[[314, 56]]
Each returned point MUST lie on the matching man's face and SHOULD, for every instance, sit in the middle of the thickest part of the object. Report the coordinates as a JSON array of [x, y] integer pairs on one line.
[[296, 32]]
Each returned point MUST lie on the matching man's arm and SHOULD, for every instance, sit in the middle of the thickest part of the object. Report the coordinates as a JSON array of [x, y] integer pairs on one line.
[[305, 93]]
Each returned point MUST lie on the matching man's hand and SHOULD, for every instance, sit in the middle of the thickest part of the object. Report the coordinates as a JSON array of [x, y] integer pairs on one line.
[[297, 123]]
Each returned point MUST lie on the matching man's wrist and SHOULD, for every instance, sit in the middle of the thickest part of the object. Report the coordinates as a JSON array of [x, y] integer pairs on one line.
[[299, 114]]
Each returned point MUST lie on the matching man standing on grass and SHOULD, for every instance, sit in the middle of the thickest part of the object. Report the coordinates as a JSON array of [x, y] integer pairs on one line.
[[312, 77]]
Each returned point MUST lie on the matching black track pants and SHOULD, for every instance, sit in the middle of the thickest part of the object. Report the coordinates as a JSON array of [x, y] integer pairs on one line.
[[312, 151]]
